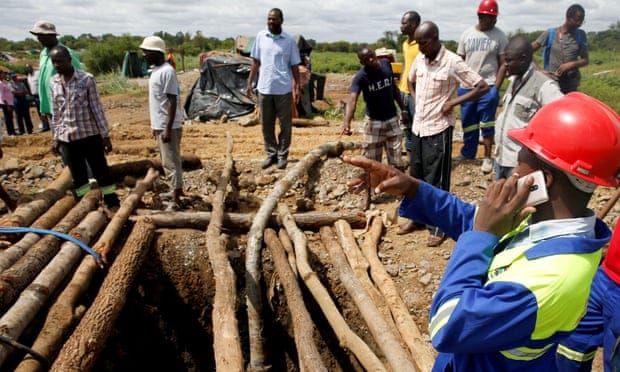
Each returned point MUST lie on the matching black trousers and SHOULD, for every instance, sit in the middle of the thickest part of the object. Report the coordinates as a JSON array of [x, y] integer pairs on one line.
[[76, 154], [431, 161]]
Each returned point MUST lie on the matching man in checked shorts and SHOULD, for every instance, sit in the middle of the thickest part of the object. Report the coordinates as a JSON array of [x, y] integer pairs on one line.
[[381, 128]]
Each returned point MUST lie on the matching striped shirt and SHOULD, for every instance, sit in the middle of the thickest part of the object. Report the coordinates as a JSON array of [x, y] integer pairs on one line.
[[77, 109], [436, 82]]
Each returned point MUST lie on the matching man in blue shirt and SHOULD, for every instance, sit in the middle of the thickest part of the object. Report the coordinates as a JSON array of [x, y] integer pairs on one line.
[[275, 56]]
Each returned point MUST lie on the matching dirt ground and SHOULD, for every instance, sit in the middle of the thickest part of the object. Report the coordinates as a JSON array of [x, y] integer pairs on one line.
[[416, 269]]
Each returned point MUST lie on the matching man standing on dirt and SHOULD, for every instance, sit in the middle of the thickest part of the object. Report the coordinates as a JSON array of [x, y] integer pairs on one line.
[[518, 278], [48, 37], [166, 116], [565, 49], [408, 24], [79, 127], [381, 129], [528, 91], [434, 77], [482, 47], [276, 59]]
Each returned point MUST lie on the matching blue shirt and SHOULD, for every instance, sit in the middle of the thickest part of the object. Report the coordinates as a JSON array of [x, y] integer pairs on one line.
[[276, 54]]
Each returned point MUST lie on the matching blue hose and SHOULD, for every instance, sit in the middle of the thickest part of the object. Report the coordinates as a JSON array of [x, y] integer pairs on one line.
[[22, 230]]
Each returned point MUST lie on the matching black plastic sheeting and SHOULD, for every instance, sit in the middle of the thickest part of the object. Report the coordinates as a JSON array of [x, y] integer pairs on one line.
[[221, 89]]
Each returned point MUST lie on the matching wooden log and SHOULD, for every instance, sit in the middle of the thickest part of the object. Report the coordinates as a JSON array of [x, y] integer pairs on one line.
[[610, 204], [14, 279], [287, 244], [81, 350], [422, 352], [255, 238], [50, 218], [226, 340], [303, 326], [107, 239], [25, 213], [243, 221], [397, 357], [360, 267], [347, 338], [65, 312], [34, 297], [301, 122], [140, 167]]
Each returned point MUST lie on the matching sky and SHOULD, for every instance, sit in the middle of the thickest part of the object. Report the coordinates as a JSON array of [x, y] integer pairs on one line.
[[321, 20]]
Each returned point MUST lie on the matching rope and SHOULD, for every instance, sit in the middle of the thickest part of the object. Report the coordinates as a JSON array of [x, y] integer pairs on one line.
[[22, 230]]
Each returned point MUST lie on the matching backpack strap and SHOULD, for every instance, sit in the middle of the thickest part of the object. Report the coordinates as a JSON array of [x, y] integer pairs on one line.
[[547, 51]]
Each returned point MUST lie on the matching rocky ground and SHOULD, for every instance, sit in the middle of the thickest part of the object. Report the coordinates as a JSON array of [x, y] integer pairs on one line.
[[28, 166]]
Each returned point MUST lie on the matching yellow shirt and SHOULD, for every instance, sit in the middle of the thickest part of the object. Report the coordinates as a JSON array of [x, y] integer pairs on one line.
[[410, 51]]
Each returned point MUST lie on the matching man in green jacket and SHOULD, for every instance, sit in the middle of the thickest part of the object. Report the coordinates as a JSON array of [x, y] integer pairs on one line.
[[48, 37]]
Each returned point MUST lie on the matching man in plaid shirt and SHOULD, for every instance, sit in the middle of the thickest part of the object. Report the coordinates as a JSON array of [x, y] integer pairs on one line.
[[79, 127]]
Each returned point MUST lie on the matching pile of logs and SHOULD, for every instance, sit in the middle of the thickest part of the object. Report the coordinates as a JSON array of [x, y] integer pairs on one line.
[[40, 274]]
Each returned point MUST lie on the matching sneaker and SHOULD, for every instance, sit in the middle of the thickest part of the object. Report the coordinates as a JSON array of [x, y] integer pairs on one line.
[[282, 163], [268, 162], [487, 165]]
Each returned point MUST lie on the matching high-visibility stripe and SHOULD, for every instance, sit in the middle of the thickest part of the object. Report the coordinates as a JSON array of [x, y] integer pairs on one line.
[[470, 128], [487, 124], [525, 353], [442, 316], [106, 190], [574, 354], [83, 190]]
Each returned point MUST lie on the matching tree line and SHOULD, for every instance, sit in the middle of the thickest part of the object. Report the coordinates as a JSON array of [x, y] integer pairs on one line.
[[105, 53]]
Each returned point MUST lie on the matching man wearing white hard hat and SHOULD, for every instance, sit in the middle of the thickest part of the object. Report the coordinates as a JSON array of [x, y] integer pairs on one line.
[[166, 115], [45, 32]]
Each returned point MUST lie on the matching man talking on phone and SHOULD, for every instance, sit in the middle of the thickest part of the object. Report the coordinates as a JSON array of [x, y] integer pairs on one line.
[[519, 276]]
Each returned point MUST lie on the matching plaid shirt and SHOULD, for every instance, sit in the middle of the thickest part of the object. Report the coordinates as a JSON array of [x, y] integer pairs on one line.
[[436, 81], [77, 110]]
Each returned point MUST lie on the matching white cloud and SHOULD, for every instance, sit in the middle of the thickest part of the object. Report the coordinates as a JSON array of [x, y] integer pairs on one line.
[[321, 20]]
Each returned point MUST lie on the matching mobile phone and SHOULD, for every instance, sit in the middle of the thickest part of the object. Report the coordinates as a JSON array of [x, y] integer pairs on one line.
[[538, 190]]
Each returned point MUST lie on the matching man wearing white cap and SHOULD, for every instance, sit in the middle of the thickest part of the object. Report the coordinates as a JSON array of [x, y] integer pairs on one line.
[[166, 115], [48, 37]]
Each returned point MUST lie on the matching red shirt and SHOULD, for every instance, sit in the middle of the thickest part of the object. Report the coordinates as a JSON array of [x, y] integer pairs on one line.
[[611, 263]]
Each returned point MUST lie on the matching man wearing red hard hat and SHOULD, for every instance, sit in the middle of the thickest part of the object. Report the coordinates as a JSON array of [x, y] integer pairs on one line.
[[518, 280]]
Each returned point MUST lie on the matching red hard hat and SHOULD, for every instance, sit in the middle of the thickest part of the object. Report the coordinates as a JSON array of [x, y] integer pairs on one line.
[[577, 134], [488, 7]]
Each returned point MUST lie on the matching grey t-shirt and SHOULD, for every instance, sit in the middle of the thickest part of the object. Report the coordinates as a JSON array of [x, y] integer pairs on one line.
[[565, 47], [482, 50]]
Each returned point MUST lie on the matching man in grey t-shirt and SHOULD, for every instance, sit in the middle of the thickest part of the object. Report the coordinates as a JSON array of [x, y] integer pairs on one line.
[[567, 51]]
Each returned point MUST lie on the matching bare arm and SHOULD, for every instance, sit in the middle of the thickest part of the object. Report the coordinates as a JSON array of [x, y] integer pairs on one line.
[[479, 90], [253, 72], [349, 112], [296, 85]]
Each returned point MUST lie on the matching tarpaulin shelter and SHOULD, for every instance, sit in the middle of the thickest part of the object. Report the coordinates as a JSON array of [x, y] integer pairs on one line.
[[221, 88], [133, 66]]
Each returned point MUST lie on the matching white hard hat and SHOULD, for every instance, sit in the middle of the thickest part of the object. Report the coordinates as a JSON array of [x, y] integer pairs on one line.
[[153, 43]]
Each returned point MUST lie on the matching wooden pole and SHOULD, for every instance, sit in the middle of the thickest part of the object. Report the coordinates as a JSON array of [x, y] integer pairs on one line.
[[397, 357], [226, 340], [254, 300], [303, 326], [347, 338], [83, 347]]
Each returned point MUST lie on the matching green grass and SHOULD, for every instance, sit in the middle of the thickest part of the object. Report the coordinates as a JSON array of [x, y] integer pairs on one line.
[[114, 83]]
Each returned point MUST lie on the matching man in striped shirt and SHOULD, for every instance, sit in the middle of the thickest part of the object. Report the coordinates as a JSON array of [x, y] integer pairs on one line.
[[433, 79], [79, 127]]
